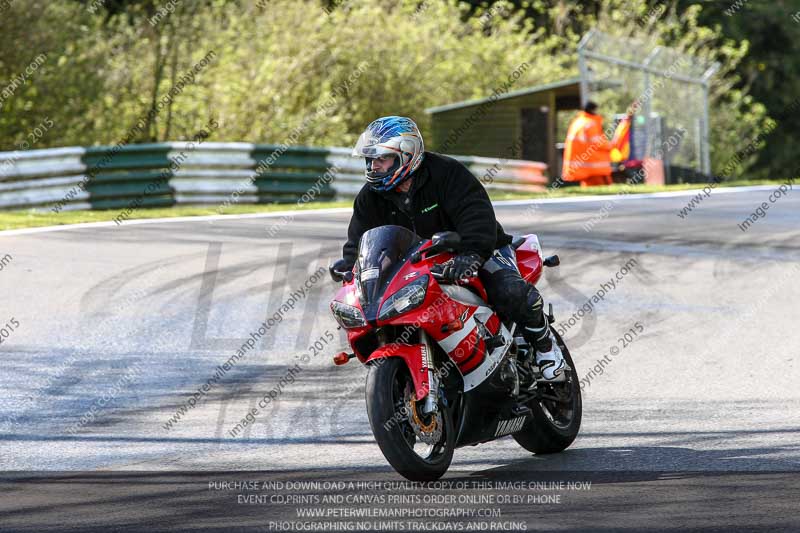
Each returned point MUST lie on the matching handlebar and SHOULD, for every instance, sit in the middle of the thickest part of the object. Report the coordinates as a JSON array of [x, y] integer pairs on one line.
[[344, 276], [437, 273], [340, 275]]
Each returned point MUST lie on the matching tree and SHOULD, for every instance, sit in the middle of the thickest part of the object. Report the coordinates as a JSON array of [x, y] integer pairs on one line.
[[769, 73], [316, 72]]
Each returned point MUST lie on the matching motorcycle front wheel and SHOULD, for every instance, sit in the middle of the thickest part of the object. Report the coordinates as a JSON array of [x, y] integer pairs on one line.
[[419, 447], [557, 411]]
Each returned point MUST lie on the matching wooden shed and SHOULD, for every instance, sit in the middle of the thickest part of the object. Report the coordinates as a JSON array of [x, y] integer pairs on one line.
[[520, 124]]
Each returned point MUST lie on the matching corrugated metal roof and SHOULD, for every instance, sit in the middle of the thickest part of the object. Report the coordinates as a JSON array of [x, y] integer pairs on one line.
[[513, 94]]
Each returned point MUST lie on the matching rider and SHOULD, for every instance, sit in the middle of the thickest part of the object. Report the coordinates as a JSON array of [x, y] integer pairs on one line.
[[428, 192]]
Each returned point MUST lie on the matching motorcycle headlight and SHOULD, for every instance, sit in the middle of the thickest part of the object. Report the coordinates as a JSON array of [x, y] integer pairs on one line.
[[405, 299], [348, 316]]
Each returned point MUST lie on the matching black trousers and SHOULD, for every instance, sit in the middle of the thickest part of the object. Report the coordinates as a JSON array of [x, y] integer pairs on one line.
[[514, 298]]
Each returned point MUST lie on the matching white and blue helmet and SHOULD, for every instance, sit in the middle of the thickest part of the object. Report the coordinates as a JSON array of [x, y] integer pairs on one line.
[[390, 136]]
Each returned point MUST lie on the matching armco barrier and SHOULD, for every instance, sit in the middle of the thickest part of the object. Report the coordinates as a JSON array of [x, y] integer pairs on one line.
[[166, 174]]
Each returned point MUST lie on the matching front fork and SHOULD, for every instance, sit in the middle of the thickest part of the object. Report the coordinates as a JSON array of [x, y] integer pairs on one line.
[[431, 403]]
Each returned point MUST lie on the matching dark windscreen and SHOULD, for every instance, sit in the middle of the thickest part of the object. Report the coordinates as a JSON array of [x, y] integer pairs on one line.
[[381, 252]]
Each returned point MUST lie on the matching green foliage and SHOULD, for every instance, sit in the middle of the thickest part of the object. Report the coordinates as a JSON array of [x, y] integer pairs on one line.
[[288, 72], [315, 72], [769, 73], [735, 117], [66, 84]]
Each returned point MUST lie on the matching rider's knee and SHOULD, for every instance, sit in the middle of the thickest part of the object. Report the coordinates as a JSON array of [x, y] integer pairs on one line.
[[525, 303], [515, 300]]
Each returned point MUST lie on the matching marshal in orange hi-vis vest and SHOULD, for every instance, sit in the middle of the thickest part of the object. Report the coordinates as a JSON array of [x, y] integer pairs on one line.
[[621, 141], [587, 151]]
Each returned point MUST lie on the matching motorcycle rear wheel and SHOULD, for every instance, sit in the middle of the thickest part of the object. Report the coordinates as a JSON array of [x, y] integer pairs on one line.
[[556, 412], [387, 383]]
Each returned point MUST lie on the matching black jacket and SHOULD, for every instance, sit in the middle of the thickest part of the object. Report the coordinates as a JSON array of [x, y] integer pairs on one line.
[[444, 196]]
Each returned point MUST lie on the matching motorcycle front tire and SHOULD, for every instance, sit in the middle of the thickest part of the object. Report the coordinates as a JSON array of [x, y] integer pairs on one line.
[[384, 380]]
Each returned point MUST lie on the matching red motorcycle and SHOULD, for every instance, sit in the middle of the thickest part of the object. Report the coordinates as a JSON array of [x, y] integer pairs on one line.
[[445, 370]]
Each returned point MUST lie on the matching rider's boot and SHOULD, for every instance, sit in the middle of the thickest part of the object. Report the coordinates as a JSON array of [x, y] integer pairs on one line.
[[551, 362], [549, 358]]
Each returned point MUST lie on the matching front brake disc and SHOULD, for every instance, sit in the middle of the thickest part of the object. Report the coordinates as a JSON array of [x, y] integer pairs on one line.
[[430, 431]]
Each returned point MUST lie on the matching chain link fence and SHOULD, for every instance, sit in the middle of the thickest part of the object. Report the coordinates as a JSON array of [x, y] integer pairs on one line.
[[666, 90]]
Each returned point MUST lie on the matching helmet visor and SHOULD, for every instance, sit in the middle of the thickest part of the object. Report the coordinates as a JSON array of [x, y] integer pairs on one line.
[[368, 145]]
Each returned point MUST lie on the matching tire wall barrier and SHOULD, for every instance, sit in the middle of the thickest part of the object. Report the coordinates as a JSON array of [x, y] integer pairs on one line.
[[166, 174]]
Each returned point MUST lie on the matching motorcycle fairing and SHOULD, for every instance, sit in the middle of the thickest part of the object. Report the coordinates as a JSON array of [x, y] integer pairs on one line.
[[484, 420], [448, 303], [489, 362], [443, 304], [529, 259]]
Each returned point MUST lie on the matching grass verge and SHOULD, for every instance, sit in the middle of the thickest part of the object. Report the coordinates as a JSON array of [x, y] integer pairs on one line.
[[30, 218]]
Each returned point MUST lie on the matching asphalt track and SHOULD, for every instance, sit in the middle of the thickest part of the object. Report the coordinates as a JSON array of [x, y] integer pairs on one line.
[[694, 423]]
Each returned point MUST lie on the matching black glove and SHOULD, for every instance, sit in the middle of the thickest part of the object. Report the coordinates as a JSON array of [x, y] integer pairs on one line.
[[463, 266], [338, 268]]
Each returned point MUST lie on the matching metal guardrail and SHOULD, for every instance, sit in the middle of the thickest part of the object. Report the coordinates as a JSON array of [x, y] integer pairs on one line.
[[186, 173]]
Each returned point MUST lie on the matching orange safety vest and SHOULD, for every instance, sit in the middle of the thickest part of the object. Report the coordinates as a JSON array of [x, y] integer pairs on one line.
[[621, 141], [586, 149]]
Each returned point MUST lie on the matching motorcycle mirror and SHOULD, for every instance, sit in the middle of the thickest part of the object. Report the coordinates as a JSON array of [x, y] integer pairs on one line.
[[551, 261], [440, 241], [341, 276]]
